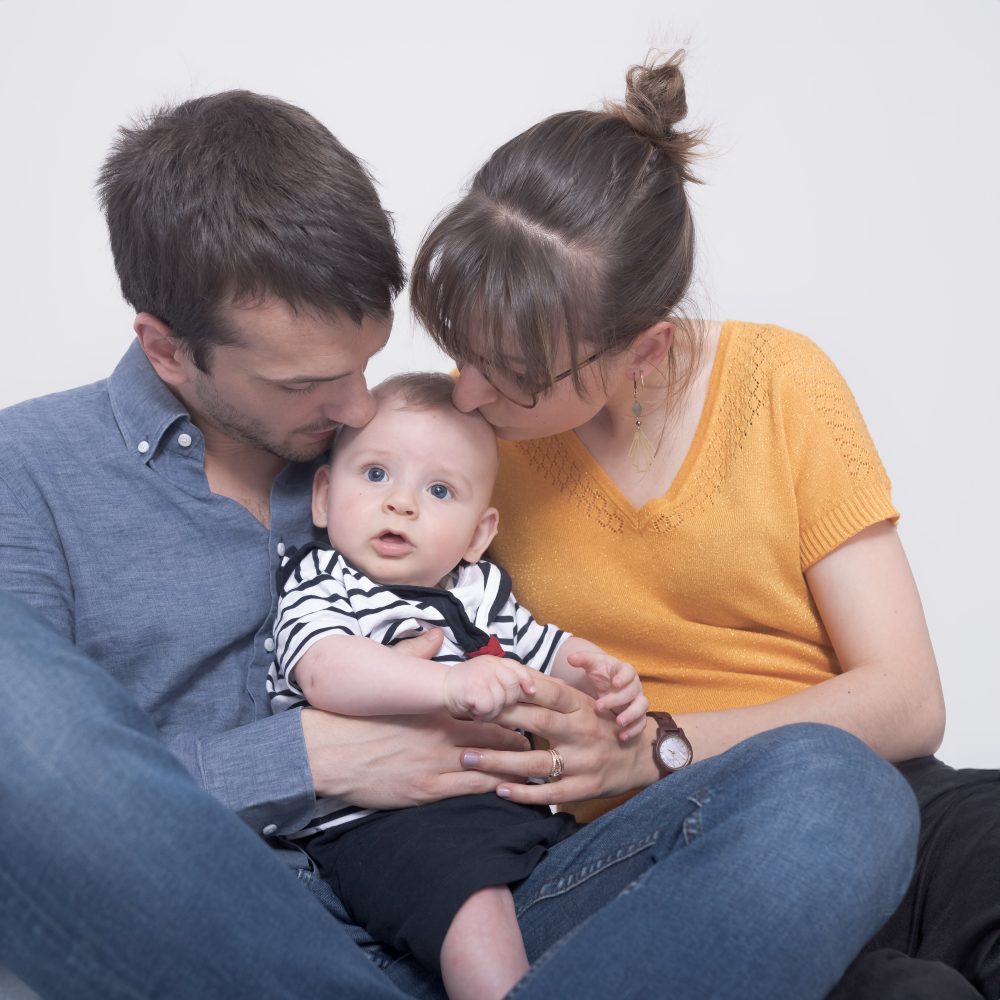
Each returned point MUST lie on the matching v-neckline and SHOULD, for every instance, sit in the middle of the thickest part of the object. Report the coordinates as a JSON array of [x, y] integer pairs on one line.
[[657, 506]]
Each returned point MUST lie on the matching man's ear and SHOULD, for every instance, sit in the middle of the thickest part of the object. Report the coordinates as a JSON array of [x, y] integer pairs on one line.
[[165, 352], [321, 495], [651, 347], [485, 532]]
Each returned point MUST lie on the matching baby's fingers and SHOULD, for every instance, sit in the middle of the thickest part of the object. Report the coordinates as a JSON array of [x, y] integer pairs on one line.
[[631, 732], [615, 701]]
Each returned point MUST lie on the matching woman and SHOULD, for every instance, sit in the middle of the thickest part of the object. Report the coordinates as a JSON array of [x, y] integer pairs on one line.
[[701, 499]]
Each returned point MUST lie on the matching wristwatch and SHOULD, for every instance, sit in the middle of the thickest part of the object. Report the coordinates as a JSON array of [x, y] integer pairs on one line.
[[671, 748]]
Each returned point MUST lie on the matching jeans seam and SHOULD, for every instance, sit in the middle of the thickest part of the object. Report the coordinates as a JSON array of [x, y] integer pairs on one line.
[[692, 826], [557, 887]]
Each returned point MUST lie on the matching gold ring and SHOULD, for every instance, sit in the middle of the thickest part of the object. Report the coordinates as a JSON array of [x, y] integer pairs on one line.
[[557, 765]]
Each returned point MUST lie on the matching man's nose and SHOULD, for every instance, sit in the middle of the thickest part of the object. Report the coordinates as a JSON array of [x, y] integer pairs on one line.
[[356, 411]]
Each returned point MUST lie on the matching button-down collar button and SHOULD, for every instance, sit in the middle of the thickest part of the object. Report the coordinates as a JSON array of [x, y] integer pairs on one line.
[[184, 440], [269, 830], [269, 644], [142, 447], [281, 548]]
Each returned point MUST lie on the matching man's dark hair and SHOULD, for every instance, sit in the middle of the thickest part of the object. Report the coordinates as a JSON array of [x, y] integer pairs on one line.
[[233, 197]]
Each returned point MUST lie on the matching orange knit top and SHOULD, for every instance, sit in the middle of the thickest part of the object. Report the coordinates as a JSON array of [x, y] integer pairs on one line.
[[703, 589]]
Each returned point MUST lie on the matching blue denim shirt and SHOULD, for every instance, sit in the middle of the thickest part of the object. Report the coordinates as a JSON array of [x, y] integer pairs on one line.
[[109, 528]]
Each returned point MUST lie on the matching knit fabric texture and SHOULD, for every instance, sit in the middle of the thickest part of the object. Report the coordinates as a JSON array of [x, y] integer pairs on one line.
[[703, 589]]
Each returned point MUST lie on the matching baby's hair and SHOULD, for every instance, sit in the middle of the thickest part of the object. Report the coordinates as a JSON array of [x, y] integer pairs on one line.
[[424, 391], [418, 390]]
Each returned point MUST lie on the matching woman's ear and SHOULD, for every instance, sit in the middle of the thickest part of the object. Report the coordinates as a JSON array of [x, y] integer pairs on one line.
[[321, 496], [486, 531], [651, 347], [165, 352]]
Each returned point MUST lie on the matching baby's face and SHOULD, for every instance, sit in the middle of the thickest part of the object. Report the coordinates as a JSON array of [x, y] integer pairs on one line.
[[406, 497]]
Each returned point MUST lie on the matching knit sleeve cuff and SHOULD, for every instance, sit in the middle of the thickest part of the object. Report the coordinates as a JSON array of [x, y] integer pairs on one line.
[[861, 510]]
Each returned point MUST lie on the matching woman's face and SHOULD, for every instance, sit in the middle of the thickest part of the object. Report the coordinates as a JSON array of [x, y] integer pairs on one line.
[[559, 409]]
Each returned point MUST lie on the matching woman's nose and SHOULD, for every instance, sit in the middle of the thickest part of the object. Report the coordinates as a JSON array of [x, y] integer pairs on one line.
[[472, 390]]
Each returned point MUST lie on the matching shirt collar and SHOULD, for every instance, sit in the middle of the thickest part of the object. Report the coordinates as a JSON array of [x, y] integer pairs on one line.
[[144, 408]]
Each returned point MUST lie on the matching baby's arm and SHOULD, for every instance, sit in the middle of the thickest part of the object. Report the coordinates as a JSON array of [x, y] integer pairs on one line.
[[351, 675], [614, 683]]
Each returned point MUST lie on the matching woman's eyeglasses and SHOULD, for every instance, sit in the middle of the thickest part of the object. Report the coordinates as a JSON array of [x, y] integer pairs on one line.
[[529, 400]]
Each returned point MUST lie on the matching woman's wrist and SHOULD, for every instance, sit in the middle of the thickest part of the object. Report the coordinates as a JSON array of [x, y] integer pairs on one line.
[[645, 772]]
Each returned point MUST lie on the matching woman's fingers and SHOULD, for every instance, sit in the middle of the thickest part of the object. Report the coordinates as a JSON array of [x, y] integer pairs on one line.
[[540, 711]]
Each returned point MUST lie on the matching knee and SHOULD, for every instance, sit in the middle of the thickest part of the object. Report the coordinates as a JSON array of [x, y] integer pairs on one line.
[[839, 790]]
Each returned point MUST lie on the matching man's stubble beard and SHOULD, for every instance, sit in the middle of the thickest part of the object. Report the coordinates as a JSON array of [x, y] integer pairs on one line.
[[224, 417]]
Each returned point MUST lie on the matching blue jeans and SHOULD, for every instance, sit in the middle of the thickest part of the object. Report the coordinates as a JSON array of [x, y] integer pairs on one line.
[[759, 873]]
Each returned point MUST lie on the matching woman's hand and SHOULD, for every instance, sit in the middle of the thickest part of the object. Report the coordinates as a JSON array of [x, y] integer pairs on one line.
[[596, 764]]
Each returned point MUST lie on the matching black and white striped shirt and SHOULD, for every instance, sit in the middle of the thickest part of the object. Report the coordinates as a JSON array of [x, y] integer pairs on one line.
[[321, 594]]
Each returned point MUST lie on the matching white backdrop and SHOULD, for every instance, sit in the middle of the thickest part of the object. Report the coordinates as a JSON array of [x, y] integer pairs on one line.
[[853, 197]]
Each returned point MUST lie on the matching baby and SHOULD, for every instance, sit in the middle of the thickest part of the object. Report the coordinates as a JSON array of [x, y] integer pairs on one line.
[[405, 502]]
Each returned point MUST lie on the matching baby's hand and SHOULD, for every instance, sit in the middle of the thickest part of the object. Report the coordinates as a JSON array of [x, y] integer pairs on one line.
[[618, 690], [482, 687]]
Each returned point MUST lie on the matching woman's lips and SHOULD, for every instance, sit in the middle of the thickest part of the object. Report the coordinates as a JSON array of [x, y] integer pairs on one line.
[[392, 544]]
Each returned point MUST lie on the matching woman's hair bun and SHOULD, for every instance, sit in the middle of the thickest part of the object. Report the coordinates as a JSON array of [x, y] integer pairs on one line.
[[655, 103]]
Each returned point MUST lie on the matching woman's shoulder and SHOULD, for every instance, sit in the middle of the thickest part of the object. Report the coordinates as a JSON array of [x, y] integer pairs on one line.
[[770, 354], [770, 341]]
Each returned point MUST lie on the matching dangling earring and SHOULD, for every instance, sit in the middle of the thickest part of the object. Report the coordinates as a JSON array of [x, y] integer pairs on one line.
[[641, 450]]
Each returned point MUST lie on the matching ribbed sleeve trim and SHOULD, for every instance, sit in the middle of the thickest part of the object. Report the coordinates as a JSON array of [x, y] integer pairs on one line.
[[861, 510]]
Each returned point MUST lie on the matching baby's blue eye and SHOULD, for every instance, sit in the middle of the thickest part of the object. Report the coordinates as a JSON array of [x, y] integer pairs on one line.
[[376, 474], [439, 491]]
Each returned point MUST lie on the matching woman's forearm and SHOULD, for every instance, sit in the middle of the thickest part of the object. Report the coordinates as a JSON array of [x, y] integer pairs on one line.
[[888, 693], [897, 721]]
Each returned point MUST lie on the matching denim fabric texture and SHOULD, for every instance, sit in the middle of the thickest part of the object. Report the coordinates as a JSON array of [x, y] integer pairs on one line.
[[141, 766], [759, 873]]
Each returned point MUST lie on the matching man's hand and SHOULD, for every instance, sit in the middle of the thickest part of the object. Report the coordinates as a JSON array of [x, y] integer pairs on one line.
[[481, 688], [596, 763], [388, 763], [618, 688]]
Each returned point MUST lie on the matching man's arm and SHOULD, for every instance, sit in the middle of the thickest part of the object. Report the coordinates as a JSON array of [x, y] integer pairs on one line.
[[32, 563], [260, 770]]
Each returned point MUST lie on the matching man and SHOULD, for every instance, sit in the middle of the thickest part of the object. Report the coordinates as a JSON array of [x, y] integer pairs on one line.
[[143, 519]]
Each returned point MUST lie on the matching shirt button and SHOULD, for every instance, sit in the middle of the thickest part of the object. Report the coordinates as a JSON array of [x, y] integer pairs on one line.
[[142, 447], [184, 440], [269, 644], [269, 830], [281, 548]]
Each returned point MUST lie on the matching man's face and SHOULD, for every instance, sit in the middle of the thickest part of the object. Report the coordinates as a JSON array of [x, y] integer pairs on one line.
[[406, 498], [288, 382]]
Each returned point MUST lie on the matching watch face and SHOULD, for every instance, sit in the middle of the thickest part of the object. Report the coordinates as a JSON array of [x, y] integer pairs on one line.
[[674, 751]]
